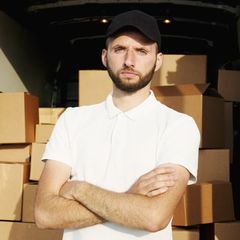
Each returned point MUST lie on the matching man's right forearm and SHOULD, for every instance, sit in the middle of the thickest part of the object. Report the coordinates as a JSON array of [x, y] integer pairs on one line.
[[56, 212]]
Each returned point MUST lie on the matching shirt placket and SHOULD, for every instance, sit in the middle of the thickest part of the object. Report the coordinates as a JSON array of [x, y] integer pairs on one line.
[[118, 143]]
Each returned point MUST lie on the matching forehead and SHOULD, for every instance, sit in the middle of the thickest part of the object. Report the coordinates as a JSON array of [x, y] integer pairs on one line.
[[131, 37]]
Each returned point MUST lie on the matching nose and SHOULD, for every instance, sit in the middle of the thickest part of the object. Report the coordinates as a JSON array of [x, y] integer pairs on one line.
[[129, 60]]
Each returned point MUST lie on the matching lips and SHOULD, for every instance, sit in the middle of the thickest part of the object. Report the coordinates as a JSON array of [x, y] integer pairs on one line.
[[128, 74]]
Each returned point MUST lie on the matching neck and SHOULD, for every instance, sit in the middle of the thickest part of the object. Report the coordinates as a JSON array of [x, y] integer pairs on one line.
[[125, 101]]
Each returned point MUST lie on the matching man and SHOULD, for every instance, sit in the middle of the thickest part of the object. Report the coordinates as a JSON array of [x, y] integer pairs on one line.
[[116, 170]]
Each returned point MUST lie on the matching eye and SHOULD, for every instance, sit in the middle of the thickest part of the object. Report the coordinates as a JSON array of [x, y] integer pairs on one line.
[[119, 49], [142, 51]]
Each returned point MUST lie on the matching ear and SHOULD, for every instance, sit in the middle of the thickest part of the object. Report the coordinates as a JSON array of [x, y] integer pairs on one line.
[[159, 61], [104, 57]]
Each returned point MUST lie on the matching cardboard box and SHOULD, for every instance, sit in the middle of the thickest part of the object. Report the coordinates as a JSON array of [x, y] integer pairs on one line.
[[29, 194], [43, 132], [229, 85], [27, 231], [200, 102], [18, 117], [185, 234], [175, 66], [36, 163], [205, 203], [94, 86], [227, 230], [12, 178], [213, 165], [49, 115], [15, 153]]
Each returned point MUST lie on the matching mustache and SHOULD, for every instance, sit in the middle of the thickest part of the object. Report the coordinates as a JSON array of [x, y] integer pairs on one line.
[[129, 69]]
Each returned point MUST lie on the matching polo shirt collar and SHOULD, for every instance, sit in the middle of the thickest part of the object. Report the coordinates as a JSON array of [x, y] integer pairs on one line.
[[134, 113]]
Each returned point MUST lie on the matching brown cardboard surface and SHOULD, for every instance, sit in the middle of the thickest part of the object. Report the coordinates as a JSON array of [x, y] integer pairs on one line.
[[18, 117], [181, 69], [213, 122], [229, 85], [49, 115], [205, 203], [227, 230], [213, 165], [194, 100], [15, 153], [185, 234], [12, 178], [27, 231], [94, 86], [29, 194], [36, 163], [43, 132], [188, 211]]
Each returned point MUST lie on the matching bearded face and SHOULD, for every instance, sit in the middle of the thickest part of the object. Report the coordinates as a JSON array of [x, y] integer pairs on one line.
[[130, 84]]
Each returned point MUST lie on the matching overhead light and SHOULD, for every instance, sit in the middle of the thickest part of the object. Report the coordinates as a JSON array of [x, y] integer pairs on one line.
[[167, 16], [104, 20], [167, 21]]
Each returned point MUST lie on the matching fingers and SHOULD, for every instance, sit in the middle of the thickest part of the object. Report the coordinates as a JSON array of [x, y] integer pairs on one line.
[[158, 182], [155, 182], [157, 192]]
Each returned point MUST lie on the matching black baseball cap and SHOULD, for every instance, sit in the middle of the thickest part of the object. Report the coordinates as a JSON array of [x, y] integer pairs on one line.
[[143, 22]]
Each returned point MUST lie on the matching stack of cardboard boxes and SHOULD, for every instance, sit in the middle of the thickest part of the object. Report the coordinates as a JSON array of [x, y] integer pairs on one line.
[[181, 84], [210, 201], [47, 119], [18, 118], [229, 88], [203, 203]]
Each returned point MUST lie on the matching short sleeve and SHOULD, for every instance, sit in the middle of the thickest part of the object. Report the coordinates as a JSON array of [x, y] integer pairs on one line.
[[180, 145], [58, 146]]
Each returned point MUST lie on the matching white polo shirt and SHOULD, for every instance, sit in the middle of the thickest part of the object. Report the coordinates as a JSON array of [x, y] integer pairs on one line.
[[112, 149]]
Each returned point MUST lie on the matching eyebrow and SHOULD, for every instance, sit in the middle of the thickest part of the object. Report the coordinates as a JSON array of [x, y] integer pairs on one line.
[[142, 48], [124, 47], [119, 46]]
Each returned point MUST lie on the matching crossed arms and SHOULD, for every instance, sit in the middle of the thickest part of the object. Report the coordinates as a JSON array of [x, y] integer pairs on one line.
[[148, 204]]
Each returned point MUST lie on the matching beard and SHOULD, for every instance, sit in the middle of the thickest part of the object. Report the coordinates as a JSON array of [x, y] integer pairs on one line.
[[127, 84]]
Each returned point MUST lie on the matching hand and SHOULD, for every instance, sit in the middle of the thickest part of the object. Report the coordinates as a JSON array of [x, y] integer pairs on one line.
[[68, 189], [155, 182]]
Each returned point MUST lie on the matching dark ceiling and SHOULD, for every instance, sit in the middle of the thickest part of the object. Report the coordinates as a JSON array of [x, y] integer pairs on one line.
[[74, 30]]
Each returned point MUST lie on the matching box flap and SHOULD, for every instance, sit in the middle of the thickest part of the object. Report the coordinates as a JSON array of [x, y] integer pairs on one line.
[[181, 89]]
